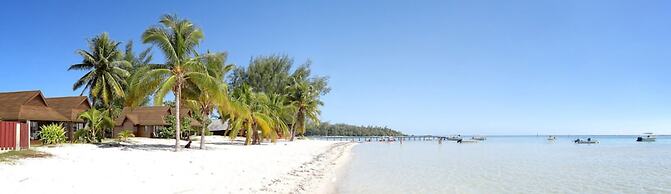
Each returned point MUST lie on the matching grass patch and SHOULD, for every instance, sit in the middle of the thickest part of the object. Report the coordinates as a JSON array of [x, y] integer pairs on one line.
[[12, 156]]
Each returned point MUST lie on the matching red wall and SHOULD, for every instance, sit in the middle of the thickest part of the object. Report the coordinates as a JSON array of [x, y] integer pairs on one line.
[[8, 135]]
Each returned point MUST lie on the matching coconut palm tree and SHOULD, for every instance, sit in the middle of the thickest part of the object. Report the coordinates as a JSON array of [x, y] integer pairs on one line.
[[247, 114], [177, 39], [106, 74], [205, 101], [305, 99]]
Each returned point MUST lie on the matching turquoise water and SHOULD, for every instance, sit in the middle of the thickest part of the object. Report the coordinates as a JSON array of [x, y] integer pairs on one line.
[[528, 164]]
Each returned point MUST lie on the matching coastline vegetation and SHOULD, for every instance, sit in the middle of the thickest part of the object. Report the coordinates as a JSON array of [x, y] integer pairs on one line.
[[327, 129], [266, 100]]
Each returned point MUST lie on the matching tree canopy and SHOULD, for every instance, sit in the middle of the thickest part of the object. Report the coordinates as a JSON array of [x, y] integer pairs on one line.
[[327, 129]]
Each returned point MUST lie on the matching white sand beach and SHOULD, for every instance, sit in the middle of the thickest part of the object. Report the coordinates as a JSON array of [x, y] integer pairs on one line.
[[150, 166]]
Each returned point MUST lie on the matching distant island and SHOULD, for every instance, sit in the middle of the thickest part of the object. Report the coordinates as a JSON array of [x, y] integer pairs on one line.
[[338, 129]]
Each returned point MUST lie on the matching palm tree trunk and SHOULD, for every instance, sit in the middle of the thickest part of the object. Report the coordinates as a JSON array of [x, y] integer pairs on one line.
[[256, 137], [248, 136], [293, 133], [178, 94], [206, 117]]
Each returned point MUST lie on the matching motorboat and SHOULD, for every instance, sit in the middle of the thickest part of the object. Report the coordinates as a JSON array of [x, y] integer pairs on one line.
[[588, 141], [467, 141], [647, 137], [454, 138], [552, 138], [479, 138]]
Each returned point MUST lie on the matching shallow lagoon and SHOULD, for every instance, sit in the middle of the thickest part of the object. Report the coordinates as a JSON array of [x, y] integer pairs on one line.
[[513, 164]]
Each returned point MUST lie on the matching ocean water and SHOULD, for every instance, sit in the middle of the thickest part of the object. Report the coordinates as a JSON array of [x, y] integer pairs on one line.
[[527, 164]]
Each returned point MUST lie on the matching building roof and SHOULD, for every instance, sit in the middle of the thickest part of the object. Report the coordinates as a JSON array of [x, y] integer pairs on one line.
[[149, 115], [70, 106], [27, 105]]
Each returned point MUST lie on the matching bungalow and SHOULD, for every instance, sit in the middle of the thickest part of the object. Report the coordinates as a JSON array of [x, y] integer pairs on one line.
[[30, 107], [146, 121], [71, 107]]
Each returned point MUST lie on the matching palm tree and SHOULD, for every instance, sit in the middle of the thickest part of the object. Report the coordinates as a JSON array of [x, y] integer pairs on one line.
[[305, 99], [206, 101], [247, 113], [96, 121], [106, 74], [177, 39]]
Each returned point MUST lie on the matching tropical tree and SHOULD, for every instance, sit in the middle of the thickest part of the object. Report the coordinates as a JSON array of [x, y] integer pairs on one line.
[[140, 65], [247, 114], [306, 100], [106, 74], [96, 122], [204, 102], [177, 39]]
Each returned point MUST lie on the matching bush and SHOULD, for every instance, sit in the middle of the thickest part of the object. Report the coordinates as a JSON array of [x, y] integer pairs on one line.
[[169, 132], [52, 134], [124, 135], [83, 136]]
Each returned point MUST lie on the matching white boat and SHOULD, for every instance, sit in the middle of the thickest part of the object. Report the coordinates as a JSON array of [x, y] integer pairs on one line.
[[479, 138], [588, 141], [454, 138], [467, 141], [552, 138], [647, 137]]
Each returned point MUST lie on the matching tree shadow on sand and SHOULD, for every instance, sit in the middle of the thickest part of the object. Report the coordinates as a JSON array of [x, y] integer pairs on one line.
[[134, 146]]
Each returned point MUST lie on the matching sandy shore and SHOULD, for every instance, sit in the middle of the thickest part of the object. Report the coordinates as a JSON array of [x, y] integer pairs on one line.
[[149, 166]]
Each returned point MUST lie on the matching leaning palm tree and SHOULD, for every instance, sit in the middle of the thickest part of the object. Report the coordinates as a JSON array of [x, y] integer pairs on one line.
[[177, 39], [247, 115], [106, 74], [205, 101], [306, 101]]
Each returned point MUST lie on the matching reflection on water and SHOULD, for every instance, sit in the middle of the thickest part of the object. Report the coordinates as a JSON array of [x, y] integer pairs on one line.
[[511, 165]]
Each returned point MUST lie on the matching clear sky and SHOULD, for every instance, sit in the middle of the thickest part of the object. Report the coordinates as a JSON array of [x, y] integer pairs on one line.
[[441, 67]]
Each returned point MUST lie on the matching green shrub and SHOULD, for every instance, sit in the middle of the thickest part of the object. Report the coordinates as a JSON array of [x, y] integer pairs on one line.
[[125, 134], [83, 136], [52, 134], [169, 132]]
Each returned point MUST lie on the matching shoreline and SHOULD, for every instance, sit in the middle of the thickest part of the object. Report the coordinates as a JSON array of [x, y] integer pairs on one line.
[[150, 166], [319, 175]]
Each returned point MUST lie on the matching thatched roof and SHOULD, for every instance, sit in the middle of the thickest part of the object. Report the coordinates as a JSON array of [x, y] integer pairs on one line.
[[27, 105], [149, 115], [70, 106]]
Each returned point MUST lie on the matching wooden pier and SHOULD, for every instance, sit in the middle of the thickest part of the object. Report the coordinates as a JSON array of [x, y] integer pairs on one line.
[[382, 138]]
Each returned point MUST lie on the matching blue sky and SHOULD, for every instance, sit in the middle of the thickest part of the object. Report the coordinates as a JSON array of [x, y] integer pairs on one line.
[[441, 67]]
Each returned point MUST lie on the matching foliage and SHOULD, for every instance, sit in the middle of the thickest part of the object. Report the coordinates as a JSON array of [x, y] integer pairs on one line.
[[177, 39], [203, 102], [106, 75], [252, 113], [83, 136], [294, 96], [125, 134], [52, 134], [169, 132], [139, 66], [96, 122], [325, 129]]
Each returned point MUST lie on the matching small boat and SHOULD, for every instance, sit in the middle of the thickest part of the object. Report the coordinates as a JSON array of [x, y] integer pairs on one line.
[[454, 138], [647, 137], [479, 138], [552, 138], [588, 141], [467, 141]]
